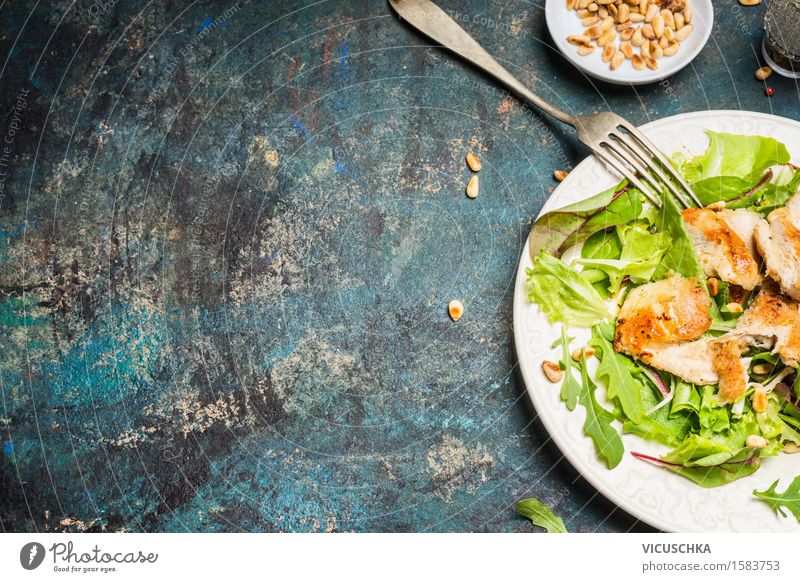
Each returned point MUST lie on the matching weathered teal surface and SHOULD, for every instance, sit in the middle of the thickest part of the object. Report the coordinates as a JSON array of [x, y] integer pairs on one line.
[[228, 237]]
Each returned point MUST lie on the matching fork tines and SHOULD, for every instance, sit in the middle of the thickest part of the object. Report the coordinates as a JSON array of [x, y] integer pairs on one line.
[[631, 154]]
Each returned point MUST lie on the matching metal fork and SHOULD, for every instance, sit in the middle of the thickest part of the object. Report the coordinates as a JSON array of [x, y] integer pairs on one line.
[[613, 139]]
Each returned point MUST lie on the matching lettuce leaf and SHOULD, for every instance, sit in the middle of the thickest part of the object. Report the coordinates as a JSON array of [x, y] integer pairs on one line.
[[639, 257], [563, 294], [736, 169], [560, 229], [741, 156]]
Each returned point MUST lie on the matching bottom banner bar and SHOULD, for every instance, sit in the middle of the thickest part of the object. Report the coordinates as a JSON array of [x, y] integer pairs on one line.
[[416, 556]]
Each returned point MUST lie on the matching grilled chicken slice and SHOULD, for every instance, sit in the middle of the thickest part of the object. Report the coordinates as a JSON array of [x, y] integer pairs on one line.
[[660, 314], [772, 321], [691, 361], [731, 368], [778, 242], [724, 245]]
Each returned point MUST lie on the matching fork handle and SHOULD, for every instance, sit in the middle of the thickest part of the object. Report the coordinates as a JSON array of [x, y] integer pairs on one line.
[[434, 22]]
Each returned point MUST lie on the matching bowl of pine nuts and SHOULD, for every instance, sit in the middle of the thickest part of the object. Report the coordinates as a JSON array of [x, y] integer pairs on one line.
[[630, 42]]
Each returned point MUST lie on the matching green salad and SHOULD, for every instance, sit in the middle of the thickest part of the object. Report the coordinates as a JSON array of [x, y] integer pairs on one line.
[[589, 256]]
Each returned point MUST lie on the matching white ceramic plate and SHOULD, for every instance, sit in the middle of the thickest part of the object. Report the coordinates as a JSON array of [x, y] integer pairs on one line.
[[563, 24], [650, 493]]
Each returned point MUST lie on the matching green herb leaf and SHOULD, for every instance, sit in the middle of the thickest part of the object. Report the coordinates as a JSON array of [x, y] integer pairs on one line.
[[616, 372], [560, 229], [563, 294], [541, 515], [789, 499], [570, 388], [597, 426]]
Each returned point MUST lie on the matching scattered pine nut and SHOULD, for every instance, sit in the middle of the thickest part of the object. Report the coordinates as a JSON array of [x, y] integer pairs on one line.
[[756, 441], [473, 187], [578, 355], [762, 369], [586, 49], [560, 175], [553, 371], [473, 162], [734, 307], [713, 286], [763, 73], [456, 309], [749, 2], [717, 206]]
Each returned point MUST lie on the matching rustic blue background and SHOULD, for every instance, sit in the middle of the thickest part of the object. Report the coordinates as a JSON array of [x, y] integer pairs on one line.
[[227, 241]]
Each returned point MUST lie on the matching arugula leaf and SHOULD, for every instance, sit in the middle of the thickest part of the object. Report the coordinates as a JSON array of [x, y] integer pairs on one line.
[[563, 294], [742, 156], [616, 372], [789, 499], [570, 388], [560, 229], [597, 426], [541, 515]]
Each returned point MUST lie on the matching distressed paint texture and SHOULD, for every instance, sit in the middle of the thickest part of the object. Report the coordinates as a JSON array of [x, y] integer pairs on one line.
[[227, 246]]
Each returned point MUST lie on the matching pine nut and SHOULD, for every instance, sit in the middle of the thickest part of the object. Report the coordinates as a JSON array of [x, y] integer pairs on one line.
[[578, 354], [607, 37], [658, 26], [473, 187], [590, 21], [763, 73], [606, 23], [619, 58], [651, 63], [560, 175], [671, 49], [651, 13], [586, 49], [669, 18], [626, 49], [749, 2], [637, 39], [648, 32], [473, 162], [624, 13], [579, 39], [608, 52], [553, 371], [762, 369], [679, 21], [593, 33], [638, 62], [713, 286], [734, 307], [683, 33], [754, 440], [636, 17], [456, 309]]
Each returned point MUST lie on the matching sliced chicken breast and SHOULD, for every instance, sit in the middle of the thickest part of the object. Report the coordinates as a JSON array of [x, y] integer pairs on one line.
[[731, 368], [772, 321], [724, 245], [690, 361], [656, 315], [778, 241]]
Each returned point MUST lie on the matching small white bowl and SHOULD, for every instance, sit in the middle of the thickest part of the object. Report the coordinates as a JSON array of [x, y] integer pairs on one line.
[[563, 23]]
